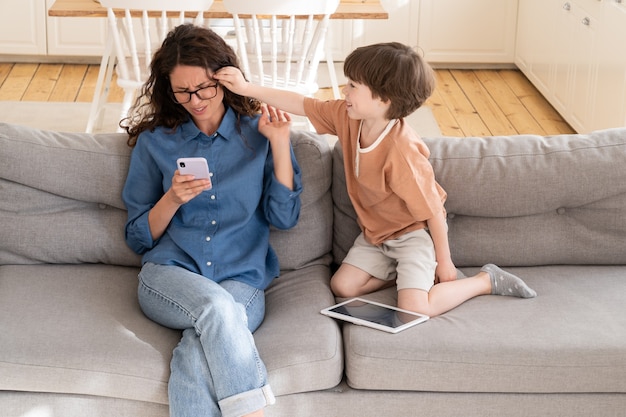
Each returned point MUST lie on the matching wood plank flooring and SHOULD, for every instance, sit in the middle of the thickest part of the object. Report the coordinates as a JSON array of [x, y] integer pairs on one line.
[[465, 103]]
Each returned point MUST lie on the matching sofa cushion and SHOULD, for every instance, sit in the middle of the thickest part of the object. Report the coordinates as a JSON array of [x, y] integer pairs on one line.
[[522, 200], [345, 227], [78, 329], [43, 227], [570, 338], [79, 166], [61, 197], [301, 348], [309, 242], [532, 200]]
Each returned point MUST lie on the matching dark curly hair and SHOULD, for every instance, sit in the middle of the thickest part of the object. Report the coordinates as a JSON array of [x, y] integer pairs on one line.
[[188, 45], [394, 72]]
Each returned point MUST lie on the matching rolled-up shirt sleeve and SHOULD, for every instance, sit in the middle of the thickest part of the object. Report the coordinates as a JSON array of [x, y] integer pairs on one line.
[[141, 192], [281, 204]]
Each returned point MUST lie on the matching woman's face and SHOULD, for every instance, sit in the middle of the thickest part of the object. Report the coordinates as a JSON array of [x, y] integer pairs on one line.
[[199, 94]]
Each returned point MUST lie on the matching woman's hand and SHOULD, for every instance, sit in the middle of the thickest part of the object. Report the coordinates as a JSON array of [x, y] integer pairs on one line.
[[184, 188], [274, 124]]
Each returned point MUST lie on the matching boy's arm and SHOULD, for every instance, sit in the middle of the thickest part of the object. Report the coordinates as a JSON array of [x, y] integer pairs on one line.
[[446, 271], [289, 101]]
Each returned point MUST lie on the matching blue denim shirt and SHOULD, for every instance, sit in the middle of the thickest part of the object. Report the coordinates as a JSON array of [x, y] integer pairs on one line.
[[224, 232]]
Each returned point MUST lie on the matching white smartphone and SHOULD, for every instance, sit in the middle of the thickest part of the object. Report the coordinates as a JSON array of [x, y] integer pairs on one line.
[[198, 167]]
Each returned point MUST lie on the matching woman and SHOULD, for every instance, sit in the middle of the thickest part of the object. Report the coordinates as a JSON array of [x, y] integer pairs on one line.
[[205, 243]]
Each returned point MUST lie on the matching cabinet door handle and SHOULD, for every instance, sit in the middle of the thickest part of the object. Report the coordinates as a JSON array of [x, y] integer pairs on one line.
[[586, 21], [567, 6]]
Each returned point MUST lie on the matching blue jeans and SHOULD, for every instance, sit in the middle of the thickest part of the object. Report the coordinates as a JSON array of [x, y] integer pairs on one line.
[[215, 369]]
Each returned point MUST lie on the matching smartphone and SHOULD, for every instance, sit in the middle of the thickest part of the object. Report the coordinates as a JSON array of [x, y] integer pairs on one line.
[[198, 167]]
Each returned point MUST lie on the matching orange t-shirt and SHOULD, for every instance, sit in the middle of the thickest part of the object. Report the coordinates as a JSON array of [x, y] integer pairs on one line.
[[394, 191]]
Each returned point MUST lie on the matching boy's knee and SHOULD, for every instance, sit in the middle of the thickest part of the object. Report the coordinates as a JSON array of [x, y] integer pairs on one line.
[[341, 288]]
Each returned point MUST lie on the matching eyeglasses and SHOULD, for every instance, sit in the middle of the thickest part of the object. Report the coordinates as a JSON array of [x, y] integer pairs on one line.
[[204, 93]]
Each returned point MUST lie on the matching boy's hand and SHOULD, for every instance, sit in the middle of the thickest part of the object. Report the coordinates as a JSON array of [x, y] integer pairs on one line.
[[232, 78], [274, 124], [445, 271]]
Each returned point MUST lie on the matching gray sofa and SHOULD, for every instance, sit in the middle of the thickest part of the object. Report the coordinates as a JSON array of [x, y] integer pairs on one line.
[[74, 343]]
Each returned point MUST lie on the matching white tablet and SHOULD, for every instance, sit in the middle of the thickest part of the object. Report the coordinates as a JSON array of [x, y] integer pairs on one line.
[[375, 315]]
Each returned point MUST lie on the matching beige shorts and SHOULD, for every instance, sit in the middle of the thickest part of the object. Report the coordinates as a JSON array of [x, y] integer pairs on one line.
[[410, 259]]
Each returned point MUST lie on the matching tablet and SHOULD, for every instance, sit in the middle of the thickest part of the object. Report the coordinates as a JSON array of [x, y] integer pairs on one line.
[[375, 315]]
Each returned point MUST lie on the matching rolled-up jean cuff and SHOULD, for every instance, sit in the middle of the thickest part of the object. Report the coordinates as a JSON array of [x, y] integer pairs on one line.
[[247, 402]]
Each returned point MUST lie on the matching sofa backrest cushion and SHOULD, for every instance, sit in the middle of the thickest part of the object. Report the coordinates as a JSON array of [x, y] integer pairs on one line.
[[309, 242], [345, 227], [524, 200], [61, 199]]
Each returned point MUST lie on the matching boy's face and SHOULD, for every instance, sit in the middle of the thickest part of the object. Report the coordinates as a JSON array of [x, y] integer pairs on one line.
[[361, 104]]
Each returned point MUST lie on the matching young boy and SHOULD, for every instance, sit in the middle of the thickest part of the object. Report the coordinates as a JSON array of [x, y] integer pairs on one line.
[[391, 184]]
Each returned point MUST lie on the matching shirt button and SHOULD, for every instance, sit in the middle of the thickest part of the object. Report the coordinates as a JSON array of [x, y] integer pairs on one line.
[[208, 263], [213, 222], [208, 238], [213, 197]]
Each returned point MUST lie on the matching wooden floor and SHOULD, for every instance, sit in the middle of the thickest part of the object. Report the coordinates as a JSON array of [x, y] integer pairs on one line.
[[465, 102]]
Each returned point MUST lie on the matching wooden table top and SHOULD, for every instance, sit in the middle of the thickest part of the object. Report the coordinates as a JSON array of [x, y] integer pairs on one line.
[[348, 9]]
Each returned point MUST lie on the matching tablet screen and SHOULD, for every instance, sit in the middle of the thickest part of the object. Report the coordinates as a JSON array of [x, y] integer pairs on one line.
[[376, 315]]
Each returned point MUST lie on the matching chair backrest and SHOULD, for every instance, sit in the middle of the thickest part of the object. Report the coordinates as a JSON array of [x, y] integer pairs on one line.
[[281, 7], [133, 46], [281, 42]]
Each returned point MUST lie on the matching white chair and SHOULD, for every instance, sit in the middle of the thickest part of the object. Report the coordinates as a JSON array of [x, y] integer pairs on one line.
[[131, 42], [280, 42]]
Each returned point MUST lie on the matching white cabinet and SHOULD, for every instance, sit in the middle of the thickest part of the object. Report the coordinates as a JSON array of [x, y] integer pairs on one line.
[[22, 27], [26, 29], [574, 68], [461, 31], [75, 36], [609, 103], [447, 31], [534, 50], [574, 52]]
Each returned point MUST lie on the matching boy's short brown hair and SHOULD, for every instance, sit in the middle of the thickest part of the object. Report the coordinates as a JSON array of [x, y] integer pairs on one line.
[[394, 72]]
